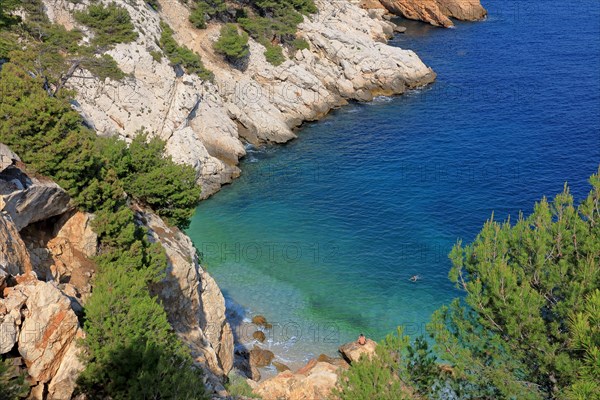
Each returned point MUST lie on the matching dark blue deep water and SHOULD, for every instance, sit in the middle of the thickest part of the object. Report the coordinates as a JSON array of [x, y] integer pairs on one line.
[[322, 234]]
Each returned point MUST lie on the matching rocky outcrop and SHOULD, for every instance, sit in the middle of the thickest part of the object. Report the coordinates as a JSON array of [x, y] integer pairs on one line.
[[434, 12], [38, 319], [28, 199], [314, 381], [194, 303], [61, 250], [206, 124], [7, 157], [14, 258], [46, 273], [353, 351]]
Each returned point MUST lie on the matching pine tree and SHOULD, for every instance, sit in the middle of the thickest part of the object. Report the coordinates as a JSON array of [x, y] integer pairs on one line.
[[522, 329]]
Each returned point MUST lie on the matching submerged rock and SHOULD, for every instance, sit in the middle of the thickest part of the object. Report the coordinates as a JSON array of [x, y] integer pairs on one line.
[[260, 336], [260, 357]]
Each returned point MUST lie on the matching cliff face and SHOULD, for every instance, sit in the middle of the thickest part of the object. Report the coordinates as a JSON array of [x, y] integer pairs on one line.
[[435, 12], [46, 273], [207, 124], [194, 303]]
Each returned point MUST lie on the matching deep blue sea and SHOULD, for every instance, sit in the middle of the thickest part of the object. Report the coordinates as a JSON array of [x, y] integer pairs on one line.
[[322, 235]]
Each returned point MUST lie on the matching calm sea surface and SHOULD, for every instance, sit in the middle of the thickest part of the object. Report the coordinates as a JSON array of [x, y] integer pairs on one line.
[[322, 235]]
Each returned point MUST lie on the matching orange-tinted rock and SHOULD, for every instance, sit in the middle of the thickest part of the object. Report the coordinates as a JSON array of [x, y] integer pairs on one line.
[[353, 351], [437, 12]]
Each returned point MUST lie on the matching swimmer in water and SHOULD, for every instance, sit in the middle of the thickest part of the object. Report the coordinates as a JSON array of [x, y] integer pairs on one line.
[[414, 278]]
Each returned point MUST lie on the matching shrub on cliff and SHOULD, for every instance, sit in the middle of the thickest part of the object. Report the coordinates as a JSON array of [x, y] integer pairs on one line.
[[54, 54], [206, 9], [274, 54], [231, 44], [181, 56], [155, 180], [111, 24]]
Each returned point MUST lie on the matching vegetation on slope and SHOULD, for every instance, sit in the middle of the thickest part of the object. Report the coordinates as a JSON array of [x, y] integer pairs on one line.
[[270, 22], [110, 24], [231, 44], [132, 352], [528, 327], [181, 56]]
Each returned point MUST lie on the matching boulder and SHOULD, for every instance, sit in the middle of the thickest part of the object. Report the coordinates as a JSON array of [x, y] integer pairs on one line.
[[7, 157], [14, 257], [280, 367], [260, 357], [242, 364], [464, 10], [37, 319], [49, 329], [260, 320], [353, 351], [260, 336], [30, 199], [316, 382], [9, 329]]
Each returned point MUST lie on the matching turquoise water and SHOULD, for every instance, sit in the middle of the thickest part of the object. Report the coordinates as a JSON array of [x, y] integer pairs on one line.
[[321, 235]]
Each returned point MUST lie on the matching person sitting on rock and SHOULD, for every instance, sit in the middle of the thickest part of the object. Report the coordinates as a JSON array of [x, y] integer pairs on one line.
[[362, 340]]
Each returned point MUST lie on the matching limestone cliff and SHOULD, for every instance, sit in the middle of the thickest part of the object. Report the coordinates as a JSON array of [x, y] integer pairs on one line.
[[434, 12], [207, 124]]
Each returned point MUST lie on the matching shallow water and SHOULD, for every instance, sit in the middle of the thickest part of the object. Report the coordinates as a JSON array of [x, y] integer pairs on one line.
[[322, 235]]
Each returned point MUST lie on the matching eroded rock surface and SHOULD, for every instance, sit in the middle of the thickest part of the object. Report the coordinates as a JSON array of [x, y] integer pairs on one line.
[[38, 320], [434, 12], [194, 303]]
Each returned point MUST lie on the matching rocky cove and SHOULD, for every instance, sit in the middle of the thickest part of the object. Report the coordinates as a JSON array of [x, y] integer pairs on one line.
[[47, 243]]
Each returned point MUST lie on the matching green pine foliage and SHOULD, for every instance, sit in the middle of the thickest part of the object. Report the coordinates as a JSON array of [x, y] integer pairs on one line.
[[132, 351], [300, 44], [51, 52], [270, 22], [13, 384], [154, 180], [111, 24], [182, 56], [585, 329], [231, 44], [203, 10], [8, 19], [274, 54], [527, 327]]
